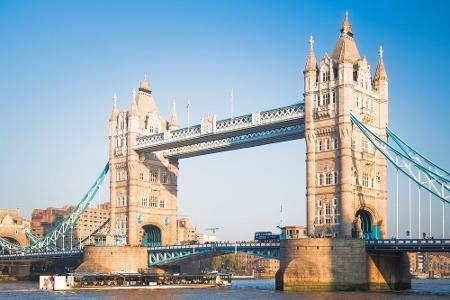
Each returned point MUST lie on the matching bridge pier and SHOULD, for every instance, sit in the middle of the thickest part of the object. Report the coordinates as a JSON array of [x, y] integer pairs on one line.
[[339, 264], [113, 259]]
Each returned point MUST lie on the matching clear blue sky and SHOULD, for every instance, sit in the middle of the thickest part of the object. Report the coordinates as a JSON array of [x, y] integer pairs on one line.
[[61, 62]]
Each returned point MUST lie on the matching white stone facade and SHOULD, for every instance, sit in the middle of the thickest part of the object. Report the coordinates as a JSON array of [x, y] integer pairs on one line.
[[346, 178], [143, 188]]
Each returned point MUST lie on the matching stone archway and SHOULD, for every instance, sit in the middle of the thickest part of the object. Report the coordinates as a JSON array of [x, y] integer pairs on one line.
[[151, 236], [364, 225]]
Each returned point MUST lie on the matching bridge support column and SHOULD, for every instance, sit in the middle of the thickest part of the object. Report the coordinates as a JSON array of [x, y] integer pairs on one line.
[[338, 264], [113, 259]]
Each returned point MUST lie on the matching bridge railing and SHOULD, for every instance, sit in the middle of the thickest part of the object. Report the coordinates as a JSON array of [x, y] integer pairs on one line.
[[227, 125], [214, 245]]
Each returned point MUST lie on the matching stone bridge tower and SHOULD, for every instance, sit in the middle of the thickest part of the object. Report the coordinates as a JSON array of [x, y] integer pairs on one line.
[[143, 188], [346, 177]]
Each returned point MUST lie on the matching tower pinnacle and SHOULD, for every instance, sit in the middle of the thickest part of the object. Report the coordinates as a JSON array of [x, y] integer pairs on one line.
[[346, 27], [134, 108], [115, 110], [311, 64], [380, 72], [145, 86], [173, 124]]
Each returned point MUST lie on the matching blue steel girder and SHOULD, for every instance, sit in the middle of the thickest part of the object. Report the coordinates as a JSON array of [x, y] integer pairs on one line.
[[167, 254], [425, 174], [259, 128], [409, 245]]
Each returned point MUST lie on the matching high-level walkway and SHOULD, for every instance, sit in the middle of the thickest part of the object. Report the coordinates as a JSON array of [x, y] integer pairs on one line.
[[259, 128]]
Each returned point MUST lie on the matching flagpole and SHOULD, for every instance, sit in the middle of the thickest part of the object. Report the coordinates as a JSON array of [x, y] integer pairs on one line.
[[232, 103], [188, 107]]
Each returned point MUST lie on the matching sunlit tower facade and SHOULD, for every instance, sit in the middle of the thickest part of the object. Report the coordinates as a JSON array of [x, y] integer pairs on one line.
[[346, 177]]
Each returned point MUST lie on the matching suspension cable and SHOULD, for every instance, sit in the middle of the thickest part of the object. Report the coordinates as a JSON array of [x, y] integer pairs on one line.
[[396, 235], [410, 206]]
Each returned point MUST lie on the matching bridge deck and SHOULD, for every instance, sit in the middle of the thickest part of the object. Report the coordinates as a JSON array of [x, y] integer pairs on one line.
[[259, 128]]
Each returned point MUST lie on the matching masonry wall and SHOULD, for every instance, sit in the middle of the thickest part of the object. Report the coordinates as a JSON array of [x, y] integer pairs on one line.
[[113, 259], [338, 264]]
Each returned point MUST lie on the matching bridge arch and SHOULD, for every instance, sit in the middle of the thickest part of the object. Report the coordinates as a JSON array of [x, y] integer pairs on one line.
[[366, 225], [151, 235]]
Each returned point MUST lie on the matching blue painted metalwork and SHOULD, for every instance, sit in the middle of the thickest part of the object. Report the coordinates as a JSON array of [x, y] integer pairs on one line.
[[169, 254], [152, 236], [422, 171], [48, 242], [409, 245], [42, 255]]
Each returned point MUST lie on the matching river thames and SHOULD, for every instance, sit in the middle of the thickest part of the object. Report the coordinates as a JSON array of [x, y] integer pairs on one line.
[[240, 289]]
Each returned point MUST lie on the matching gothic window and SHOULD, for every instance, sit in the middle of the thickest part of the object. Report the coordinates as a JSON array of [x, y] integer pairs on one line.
[[165, 178], [364, 145], [326, 76], [328, 178], [333, 97], [154, 175], [335, 178], [161, 203], [327, 144], [320, 145], [141, 176], [326, 99], [335, 143], [154, 201], [144, 201], [334, 204], [365, 179], [328, 209], [321, 179]]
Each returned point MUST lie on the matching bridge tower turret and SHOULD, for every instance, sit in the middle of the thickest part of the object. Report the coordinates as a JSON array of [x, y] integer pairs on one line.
[[143, 186], [346, 179]]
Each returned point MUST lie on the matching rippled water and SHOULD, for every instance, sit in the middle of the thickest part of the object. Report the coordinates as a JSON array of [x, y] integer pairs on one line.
[[240, 289]]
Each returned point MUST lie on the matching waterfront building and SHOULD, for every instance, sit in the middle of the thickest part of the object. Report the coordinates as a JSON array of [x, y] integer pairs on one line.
[[186, 232], [44, 221]]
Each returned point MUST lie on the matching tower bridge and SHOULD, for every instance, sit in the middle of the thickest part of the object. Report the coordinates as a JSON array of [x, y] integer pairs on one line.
[[344, 121]]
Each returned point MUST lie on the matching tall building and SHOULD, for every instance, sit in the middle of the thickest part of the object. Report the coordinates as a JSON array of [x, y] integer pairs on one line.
[[186, 232], [346, 178], [43, 221], [143, 188]]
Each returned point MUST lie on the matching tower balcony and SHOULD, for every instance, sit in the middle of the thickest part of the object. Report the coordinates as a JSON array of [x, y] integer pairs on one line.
[[367, 114], [324, 111], [120, 151]]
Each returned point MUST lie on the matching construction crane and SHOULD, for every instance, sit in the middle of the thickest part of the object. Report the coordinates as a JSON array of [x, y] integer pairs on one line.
[[212, 229]]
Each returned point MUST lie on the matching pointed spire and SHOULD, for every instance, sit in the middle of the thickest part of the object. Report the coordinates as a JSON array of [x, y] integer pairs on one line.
[[380, 72], [145, 86], [311, 64], [115, 110], [134, 108], [173, 124], [345, 49], [346, 27]]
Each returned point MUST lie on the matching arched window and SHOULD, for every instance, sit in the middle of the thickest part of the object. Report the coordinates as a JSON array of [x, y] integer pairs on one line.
[[328, 178]]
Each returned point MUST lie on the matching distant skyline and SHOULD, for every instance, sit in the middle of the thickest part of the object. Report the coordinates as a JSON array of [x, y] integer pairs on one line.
[[63, 61]]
